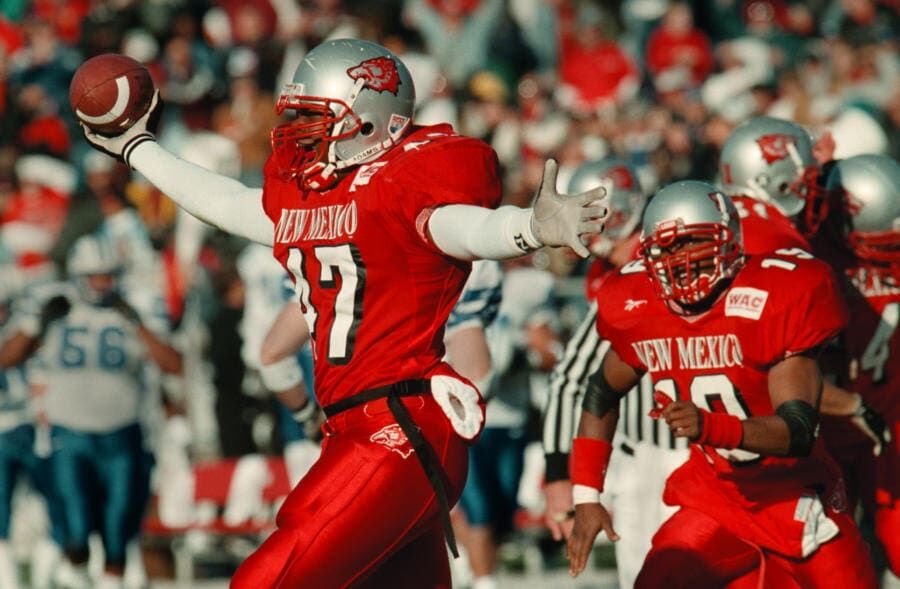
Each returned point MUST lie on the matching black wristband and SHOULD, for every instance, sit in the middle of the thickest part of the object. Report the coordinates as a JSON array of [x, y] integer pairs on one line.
[[557, 467], [132, 143], [600, 397], [803, 424]]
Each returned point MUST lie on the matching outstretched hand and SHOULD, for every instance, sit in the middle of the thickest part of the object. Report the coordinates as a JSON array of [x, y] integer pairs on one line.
[[560, 219], [590, 518], [121, 146]]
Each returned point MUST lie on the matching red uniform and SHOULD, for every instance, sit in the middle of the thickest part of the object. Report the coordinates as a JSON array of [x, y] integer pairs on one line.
[[873, 342], [376, 293], [765, 228], [790, 509]]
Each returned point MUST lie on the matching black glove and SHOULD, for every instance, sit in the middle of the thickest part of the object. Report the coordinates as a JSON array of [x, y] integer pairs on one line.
[[54, 309], [871, 423]]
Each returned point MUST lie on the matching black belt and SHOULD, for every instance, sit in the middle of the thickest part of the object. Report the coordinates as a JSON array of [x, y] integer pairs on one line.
[[424, 452]]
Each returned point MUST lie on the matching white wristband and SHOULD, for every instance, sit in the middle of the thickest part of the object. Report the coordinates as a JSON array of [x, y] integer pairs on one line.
[[282, 375], [584, 494]]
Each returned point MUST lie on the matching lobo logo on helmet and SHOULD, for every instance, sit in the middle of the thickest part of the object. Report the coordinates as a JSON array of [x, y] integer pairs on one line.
[[621, 177], [393, 438], [774, 147], [379, 74]]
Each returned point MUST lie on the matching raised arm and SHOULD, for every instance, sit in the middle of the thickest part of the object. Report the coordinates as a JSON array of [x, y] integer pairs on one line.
[[470, 233], [214, 199], [218, 200]]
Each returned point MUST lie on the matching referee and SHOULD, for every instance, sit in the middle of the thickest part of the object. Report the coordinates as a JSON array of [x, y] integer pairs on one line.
[[645, 451]]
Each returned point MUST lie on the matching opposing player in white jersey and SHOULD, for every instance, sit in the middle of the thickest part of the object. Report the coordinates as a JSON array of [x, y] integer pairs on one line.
[[18, 459], [523, 343], [89, 363], [267, 289]]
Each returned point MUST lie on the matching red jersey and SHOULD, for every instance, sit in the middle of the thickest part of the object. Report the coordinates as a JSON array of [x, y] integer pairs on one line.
[[873, 340], [765, 228], [720, 360], [376, 292]]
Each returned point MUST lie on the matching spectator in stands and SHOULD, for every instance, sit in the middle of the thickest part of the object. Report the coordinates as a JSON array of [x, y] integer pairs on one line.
[[595, 73], [678, 48], [247, 117], [457, 33]]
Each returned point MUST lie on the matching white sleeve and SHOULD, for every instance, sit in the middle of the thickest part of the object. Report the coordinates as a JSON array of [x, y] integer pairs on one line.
[[471, 233], [212, 198]]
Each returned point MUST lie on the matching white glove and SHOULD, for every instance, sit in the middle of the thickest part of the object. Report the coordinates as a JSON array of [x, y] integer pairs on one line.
[[460, 404], [560, 219], [122, 145]]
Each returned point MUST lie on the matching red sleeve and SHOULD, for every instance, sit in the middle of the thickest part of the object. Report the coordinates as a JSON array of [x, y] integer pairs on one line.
[[613, 324], [458, 170], [808, 314]]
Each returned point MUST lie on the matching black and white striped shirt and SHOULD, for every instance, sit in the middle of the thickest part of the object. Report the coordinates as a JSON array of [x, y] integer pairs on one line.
[[582, 357]]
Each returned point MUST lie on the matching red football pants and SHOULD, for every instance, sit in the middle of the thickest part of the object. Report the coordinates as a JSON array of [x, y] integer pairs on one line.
[[693, 550], [365, 515]]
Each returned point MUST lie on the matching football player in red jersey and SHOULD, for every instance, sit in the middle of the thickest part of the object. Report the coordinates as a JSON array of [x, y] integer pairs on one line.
[[377, 221], [732, 354], [869, 186], [772, 170], [766, 168]]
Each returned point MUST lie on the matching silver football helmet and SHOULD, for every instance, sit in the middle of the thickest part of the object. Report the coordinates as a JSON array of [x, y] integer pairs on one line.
[[771, 160], [691, 241], [626, 199], [870, 185], [353, 99], [90, 256]]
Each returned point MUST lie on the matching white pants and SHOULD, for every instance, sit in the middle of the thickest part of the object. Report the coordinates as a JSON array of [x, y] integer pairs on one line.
[[636, 483]]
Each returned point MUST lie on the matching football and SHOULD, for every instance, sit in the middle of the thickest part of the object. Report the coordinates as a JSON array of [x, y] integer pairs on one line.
[[110, 92]]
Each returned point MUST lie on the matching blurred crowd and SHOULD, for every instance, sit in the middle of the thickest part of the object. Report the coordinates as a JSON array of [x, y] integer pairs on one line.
[[657, 83]]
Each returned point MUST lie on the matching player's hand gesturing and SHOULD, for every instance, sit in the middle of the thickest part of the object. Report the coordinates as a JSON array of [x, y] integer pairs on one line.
[[560, 219], [590, 518], [684, 419]]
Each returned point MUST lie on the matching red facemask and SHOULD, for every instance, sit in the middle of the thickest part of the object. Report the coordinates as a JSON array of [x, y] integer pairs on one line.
[[690, 274], [301, 147]]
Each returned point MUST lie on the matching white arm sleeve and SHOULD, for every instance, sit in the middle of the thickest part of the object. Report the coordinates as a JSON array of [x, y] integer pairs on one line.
[[471, 233], [212, 198]]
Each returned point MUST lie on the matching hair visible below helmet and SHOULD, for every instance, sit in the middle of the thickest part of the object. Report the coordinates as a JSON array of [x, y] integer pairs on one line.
[[626, 199], [361, 98], [90, 256], [870, 186], [771, 160], [691, 241]]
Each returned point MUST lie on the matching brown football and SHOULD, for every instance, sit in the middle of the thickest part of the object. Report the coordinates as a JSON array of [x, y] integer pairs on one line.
[[110, 92]]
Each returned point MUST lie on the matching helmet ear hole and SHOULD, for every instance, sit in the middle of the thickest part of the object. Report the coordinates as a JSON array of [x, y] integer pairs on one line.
[[367, 129]]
